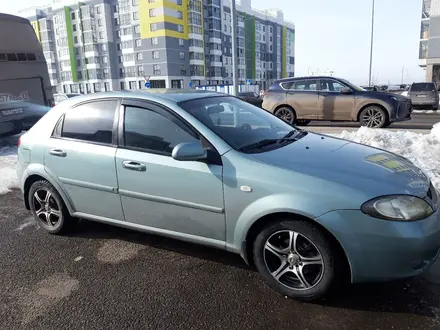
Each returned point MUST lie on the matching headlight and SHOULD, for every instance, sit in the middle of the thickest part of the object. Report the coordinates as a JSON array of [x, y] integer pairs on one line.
[[398, 207]]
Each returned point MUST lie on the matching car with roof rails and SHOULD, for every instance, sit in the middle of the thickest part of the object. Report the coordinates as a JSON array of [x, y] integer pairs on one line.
[[308, 210], [301, 100]]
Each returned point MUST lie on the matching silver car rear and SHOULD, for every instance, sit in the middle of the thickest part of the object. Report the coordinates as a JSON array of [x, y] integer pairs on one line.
[[424, 95]]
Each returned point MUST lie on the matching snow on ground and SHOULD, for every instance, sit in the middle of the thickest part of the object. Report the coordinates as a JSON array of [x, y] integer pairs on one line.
[[8, 162], [422, 149]]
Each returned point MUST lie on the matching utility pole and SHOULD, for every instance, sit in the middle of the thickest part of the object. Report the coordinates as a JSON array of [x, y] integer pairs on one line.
[[371, 48], [234, 49]]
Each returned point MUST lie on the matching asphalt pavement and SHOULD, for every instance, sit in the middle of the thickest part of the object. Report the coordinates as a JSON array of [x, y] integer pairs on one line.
[[102, 277]]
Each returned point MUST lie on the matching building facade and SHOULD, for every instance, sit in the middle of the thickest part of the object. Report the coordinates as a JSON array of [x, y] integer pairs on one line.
[[429, 49], [104, 45]]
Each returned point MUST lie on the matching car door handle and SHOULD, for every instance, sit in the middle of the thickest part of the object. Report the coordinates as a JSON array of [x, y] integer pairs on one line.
[[323, 94], [134, 166], [58, 152]]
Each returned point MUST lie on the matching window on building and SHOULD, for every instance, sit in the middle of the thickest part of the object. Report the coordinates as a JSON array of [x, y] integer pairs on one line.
[[75, 39], [118, 46], [181, 42], [132, 85], [104, 47], [100, 22], [105, 59], [138, 43], [151, 1], [134, 3], [139, 56], [136, 15], [137, 29], [101, 35], [182, 55], [73, 16], [150, 131], [155, 54], [120, 59], [179, 28], [179, 14], [153, 27], [153, 12], [91, 122], [122, 85], [99, 10], [140, 70], [154, 41], [106, 86], [156, 69]]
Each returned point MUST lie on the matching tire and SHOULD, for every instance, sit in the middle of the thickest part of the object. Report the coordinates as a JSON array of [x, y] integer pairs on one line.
[[49, 211], [374, 117], [435, 107], [287, 114], [302, 122], [317, 279]]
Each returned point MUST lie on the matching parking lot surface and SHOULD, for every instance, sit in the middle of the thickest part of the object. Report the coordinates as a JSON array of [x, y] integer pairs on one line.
[[103, 277]]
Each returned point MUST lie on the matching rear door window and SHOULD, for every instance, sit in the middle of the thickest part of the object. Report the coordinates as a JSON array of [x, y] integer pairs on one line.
[[91, 122], [305, 85]]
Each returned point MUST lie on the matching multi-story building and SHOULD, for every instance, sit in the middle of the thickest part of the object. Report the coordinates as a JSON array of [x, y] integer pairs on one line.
[[429, 49], [102, 45]]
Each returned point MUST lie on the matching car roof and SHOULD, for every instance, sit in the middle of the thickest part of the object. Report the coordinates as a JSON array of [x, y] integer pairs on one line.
[[158, 95], [306, 77]]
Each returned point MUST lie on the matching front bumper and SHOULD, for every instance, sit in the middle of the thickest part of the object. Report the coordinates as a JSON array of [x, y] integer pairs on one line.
[[402, 112], [381, 250]]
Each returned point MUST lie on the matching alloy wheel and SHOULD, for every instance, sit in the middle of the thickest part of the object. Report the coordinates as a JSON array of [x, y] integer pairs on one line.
[[293, 260], [286, 115], [47, 209], [373, 118]]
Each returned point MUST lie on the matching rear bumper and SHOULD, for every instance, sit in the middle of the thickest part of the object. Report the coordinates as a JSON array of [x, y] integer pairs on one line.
[[380, 250]]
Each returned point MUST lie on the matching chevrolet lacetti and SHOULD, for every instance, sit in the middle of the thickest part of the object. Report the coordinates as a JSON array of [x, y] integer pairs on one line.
[[306, 209]]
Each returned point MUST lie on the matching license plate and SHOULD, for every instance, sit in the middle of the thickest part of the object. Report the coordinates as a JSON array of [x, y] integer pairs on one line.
[[422, 95], [11, 112]]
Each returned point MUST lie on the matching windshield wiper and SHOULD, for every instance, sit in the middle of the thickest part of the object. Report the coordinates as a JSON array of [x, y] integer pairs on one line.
[[267, 142]]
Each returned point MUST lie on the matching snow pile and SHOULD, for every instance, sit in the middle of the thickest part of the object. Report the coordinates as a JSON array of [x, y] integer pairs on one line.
[[8, 163], [422, 149]]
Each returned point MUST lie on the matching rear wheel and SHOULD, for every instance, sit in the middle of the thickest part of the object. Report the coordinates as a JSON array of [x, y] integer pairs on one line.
[[302, 122], [374, 117], [48, 208], [287, 114], [295, 259]]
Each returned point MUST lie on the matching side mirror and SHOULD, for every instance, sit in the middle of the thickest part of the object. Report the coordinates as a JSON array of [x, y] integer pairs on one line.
[[192, 151], [346, 90]]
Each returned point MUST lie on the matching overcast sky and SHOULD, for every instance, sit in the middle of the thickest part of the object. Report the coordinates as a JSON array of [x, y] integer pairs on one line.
[[335, 35]]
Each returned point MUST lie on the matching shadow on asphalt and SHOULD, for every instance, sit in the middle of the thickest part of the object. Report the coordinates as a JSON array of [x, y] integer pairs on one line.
[[90, 229], [412, 296]]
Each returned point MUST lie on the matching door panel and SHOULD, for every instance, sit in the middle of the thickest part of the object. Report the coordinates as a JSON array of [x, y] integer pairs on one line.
[[81, 156], [158, 191], [303, 97], [87, 175], [179, 196], [333, 104]]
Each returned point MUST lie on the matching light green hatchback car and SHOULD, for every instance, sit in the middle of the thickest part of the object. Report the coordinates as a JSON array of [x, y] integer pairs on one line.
[[306, 209]]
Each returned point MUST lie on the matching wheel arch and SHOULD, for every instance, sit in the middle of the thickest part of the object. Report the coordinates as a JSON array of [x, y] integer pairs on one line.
[[38, 176], [259, 224], [373, 104]]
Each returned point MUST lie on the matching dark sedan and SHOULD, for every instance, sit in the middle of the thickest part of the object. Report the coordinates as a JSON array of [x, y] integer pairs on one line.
[[252, 98]]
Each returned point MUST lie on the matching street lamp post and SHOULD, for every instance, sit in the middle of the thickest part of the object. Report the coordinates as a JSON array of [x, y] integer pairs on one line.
[[371, 47], [234, 49]]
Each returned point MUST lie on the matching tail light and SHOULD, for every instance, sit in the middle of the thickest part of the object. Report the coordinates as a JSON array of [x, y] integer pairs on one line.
[[19, 142], [52, 103]]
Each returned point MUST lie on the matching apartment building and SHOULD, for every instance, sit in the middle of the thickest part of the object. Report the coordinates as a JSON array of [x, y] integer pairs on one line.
[[104, 45], [429, 49]]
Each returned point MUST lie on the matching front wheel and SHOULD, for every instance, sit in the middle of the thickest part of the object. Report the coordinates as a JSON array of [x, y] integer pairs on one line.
[[374, 117], [295, 259]]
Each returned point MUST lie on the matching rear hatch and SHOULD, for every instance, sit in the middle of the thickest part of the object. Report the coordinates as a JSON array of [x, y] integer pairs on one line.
[[421, 93]]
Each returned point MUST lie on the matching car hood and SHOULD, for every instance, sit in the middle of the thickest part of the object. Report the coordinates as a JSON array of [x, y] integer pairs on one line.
[[373, 171]]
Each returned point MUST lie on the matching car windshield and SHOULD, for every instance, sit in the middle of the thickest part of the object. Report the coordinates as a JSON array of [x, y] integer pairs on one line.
[[422, 87], [237, 122], [353, 86]]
